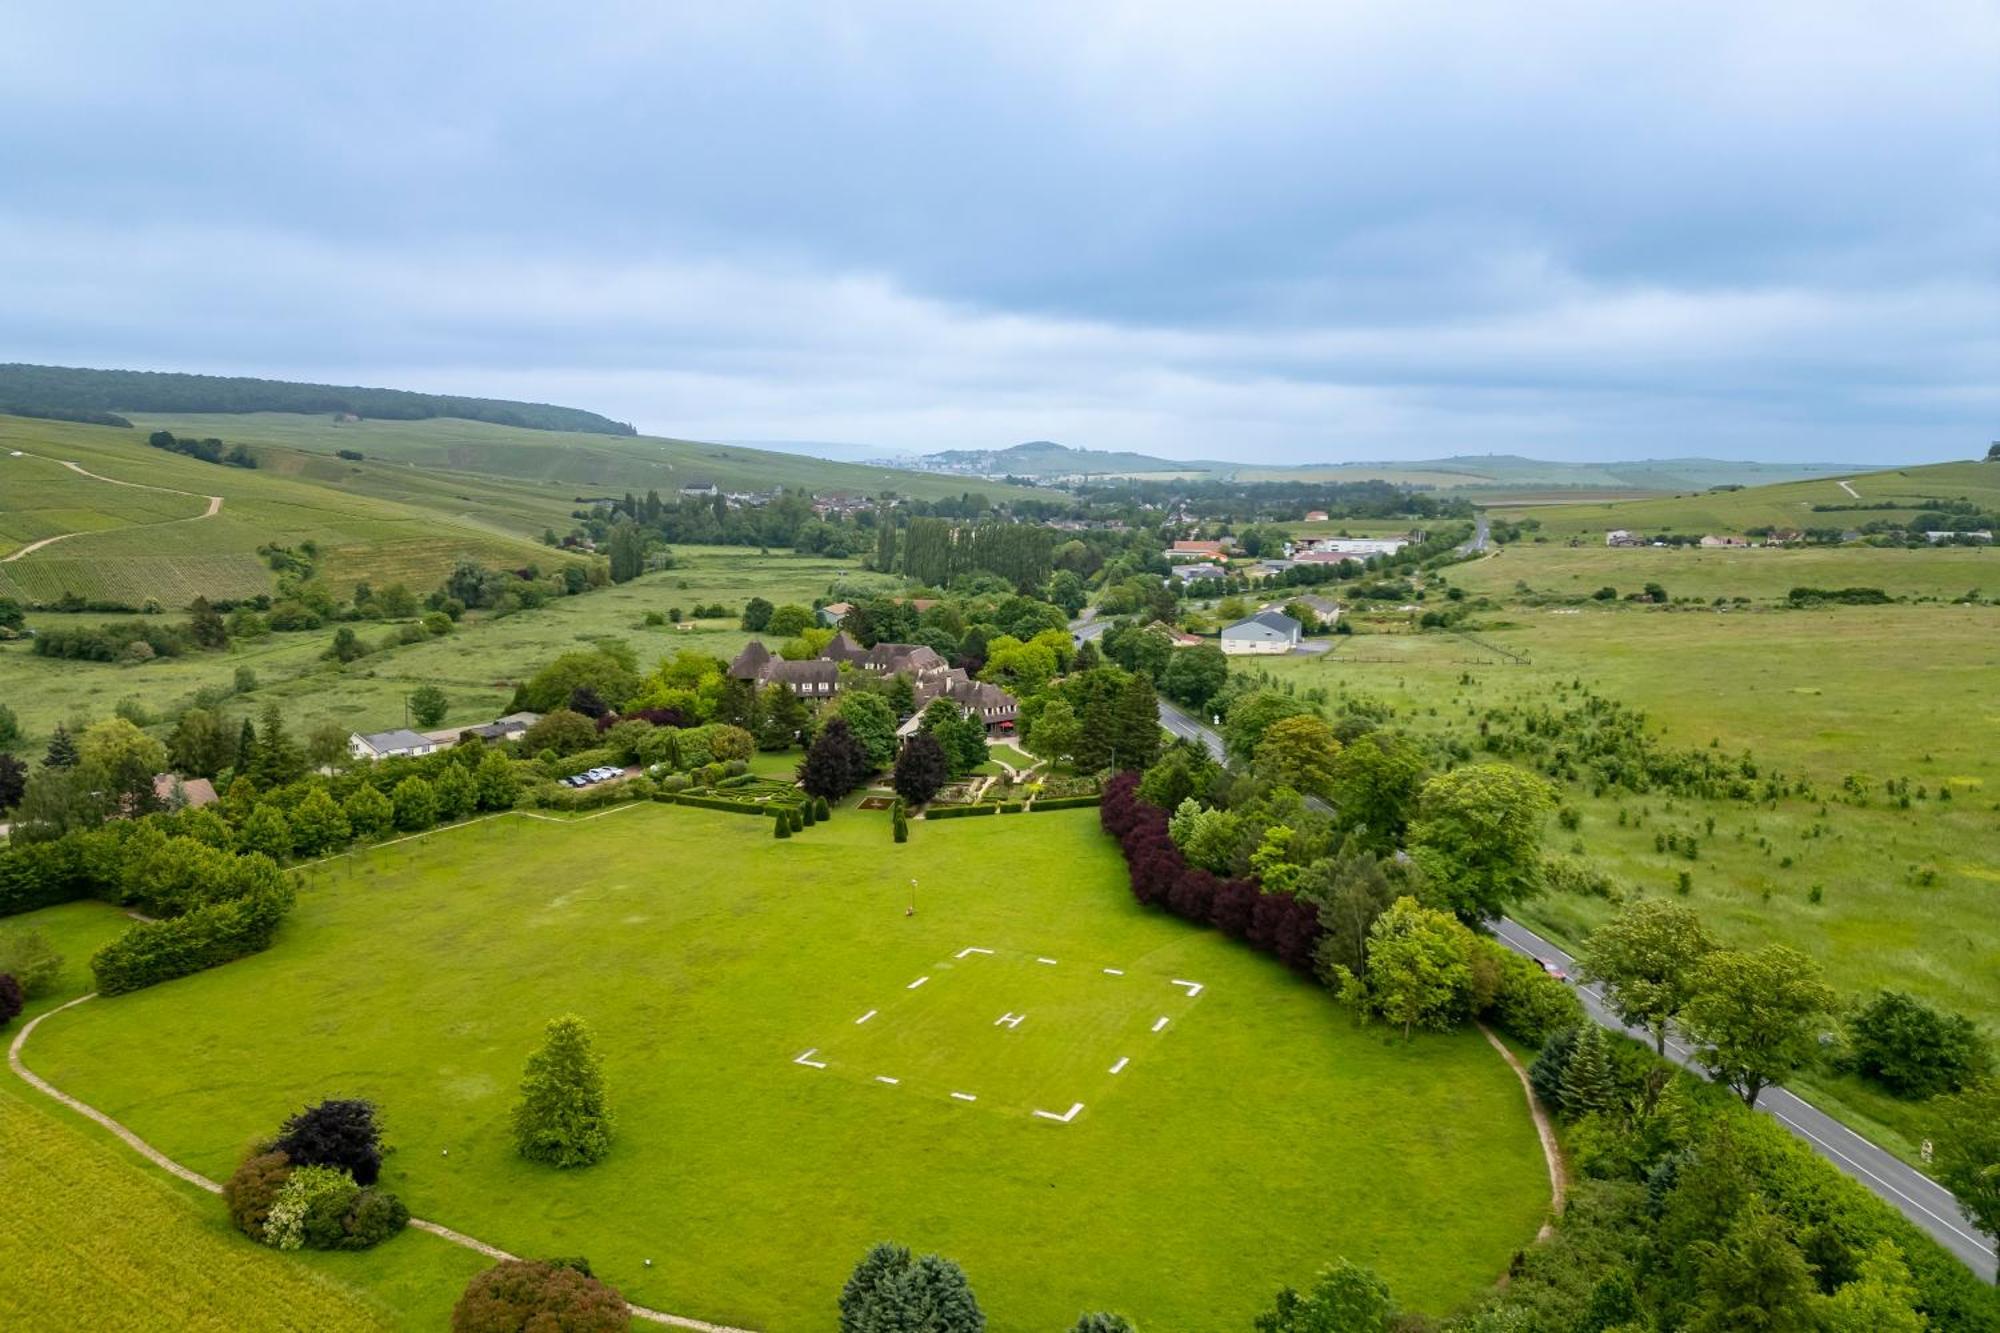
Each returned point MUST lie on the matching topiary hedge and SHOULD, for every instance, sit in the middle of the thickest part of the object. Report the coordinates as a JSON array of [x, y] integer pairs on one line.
[[1067, 803], [959, 811]]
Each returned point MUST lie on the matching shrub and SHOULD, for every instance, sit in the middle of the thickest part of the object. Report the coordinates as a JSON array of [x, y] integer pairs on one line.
[[253, 1188], [888, 1285], [28, 957], [797, 818], [336, 1132], [900, 823], [11, 999], [821, 810], [518, 1295], [310, 1208], [1102, 1322], [781, 824], [1912, 1049], [563, 1118], [375, 1216], [1067, 803]]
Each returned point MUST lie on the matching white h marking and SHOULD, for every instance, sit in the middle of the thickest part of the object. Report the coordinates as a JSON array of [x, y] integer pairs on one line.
[[1011, 1019], [1065, 1117]]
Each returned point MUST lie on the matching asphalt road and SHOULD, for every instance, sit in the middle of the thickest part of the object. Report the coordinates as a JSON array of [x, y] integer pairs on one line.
[[1477, 545], [1929, 1205]]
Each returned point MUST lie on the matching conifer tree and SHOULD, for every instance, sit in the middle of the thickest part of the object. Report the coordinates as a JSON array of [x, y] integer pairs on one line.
[[1586, 1083], [563, 1118], [62, 749]]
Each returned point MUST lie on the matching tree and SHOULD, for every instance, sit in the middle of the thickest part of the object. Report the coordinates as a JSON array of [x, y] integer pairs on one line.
[[318, 824], [789, 621], [890, 1292], [368, 812], [1753, 1278], [457, 792], [497, 784], [563, 730], [279, 760], [1250, 716], [11, 999], [1135, 722], [428, 705], [627, 551], [1298, 752], [899, 823], [1352, 892], [608, 672], [873, 723], [246, 749], [1587, 1086], [1880, 1298], [1646, 957], [1419, 964], [202, 744], [1968, 1151], [1478, 837], [516, 1295], [1756, 1018], [415, 802], [781, 716], [13, 781], [27, 956], [267, 831], [1056, 732], [1103, 1322], [10, 727], [1195, 675], [338, 1132], [1345, 1298], [921, 769], [563, 1118], [120, 761], [1374, 784], [326, 745], [346, 646], [1914, 1050], [757, 615], [835, 764], [61, 751]]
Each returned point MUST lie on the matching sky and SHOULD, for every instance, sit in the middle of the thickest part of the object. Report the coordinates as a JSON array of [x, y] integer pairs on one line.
[[1275, 232]]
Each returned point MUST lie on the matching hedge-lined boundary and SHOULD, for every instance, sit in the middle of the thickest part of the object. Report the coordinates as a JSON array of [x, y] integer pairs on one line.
[[720, 803], [959, 811], [208, 936], [1276, 923], [1067, 803]]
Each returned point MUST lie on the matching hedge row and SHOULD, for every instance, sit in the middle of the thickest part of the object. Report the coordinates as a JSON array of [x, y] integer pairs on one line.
[[1067, 802], [719, 803], [959, 811], [156, 951], [1277, 923], [42, 874], [554, 796]]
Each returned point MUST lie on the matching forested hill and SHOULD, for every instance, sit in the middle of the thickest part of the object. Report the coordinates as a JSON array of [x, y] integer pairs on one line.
[[80, 394]]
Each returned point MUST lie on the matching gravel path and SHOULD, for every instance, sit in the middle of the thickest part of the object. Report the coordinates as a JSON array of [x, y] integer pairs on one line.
[[214, 507]]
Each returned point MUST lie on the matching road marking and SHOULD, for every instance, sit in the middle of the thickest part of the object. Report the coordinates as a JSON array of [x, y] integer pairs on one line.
[[965, 1096], [807, 1060], [1944, 1222], [918, 982], [865, 1017], [1194, 988], [884, 1078], [1123, 1060], [1050, 961], [1113, 972], [1065, 1117], [1011, 1019], [966, 953], [1162, 1022]]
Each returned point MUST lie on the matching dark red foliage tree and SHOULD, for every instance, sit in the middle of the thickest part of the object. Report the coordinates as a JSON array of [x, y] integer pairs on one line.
[[11, 999], [337, 1132], [13, 781], [921, 769], [517, 1295], [835, 764], [1193, 895], [1235, 902]]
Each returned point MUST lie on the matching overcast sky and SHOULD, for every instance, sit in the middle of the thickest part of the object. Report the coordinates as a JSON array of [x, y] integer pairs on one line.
[[1298, 231]]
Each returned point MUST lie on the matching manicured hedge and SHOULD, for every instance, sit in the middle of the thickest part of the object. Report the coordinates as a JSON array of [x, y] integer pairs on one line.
[[1011, 807], [959, 811], [157, 951], [554, 796], [719, 803], [1067, 803]]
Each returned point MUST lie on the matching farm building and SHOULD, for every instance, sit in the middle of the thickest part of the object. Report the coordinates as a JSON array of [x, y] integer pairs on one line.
[[1622, 537], [1357, 546], [1190, 573], [1198, 550], [1712, 541], [833, 613], [509, 728], [1265, 632]]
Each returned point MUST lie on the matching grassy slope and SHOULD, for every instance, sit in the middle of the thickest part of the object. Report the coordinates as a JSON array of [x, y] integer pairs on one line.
[[126, 553], [1785, 505], [1762, 574], [708, 954], [573, 463], [1516, 473], [476, 666], [1902, 691]]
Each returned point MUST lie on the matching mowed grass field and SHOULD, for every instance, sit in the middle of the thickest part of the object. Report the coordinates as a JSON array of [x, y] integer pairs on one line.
[[136, 544], [477, 665], [1908, 899], [1253, 1138], [1762, 574]]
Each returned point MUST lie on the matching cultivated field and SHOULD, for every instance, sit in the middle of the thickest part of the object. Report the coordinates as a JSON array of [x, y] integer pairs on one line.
[[1761, 574], [728, 977]]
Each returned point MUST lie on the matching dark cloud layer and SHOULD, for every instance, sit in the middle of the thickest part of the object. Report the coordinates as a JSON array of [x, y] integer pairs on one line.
[[1269, 230]]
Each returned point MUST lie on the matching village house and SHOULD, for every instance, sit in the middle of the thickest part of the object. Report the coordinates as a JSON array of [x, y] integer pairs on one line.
[[930, 675], [1712, 541], [833, 613], [1622, 537], [1190, 573], [1315, 516], [509, 728], [397, 744], [1361, 547], [1198, 550]]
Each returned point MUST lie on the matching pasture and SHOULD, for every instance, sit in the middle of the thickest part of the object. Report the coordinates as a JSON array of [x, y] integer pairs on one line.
[[1905, 897], [1764, 574], [1251, 1138]]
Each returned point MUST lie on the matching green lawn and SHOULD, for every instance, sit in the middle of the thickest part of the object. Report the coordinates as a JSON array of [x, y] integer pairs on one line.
[[1254, 1137], [1761, 574]]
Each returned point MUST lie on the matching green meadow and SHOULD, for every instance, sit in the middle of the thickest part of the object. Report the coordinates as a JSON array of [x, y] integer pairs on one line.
[[1251, 1138], [1762, 574], [1883, 896]]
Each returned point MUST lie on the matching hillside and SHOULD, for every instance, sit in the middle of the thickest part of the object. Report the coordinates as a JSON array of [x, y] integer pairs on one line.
[[1045, 458], [95, 511], [77, 393], [1786, 504], [572, 463]]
